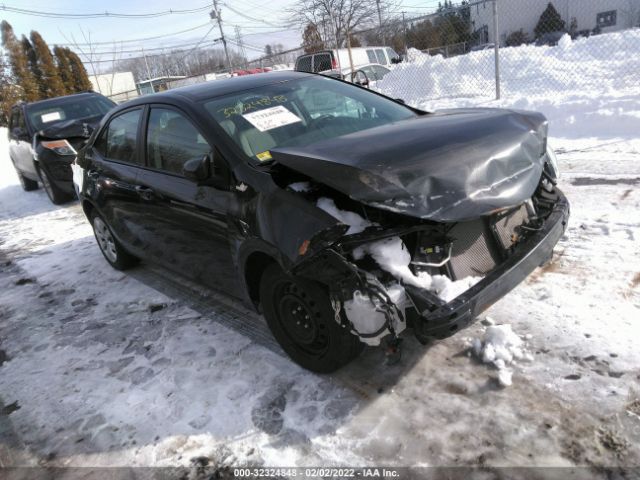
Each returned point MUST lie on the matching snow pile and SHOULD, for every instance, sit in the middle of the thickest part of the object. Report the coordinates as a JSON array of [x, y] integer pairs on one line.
[[501, 347], [356, 223], [392, 256], [7, 173], [368, 318], [579, 85]]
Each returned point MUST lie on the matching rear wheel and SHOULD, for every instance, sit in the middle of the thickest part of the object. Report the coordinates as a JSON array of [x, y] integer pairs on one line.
[[112, 250], [300, 316], [54, 193]]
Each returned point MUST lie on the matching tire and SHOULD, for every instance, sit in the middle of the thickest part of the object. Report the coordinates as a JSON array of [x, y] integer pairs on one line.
[[111, 249], [56, 195], [28, 185], [300, 316]]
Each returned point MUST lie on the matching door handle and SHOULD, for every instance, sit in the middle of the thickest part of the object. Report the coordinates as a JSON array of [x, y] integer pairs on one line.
[[145, 193]]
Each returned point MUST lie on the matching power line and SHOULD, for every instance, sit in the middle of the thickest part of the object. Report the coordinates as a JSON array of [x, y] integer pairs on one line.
[[259, 20], [105, 14], [134, 40]]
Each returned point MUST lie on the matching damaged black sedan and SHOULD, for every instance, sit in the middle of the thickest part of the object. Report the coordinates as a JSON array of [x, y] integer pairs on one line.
[[344, 216]]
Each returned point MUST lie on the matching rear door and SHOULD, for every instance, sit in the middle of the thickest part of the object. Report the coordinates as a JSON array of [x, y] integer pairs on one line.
[[114, 161], [185, 224], [20, 144]]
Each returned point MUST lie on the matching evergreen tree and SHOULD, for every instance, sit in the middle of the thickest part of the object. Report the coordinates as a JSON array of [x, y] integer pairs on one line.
[[64, 69], [550, 21], [311, 39], [81, 81], [32, 61], [21, 75], [10, 93], [50, 84]]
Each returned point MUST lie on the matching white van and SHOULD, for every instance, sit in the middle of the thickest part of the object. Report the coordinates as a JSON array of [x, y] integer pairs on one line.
[[329, 59]]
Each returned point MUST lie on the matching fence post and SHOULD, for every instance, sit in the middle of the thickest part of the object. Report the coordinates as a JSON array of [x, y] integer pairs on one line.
[[496, 47]]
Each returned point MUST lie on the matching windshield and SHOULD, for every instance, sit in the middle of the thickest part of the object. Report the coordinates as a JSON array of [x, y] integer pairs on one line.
[[300, 112], [67, 108]]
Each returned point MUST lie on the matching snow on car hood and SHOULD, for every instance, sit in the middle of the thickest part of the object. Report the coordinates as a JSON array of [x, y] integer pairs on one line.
[[452, 165]]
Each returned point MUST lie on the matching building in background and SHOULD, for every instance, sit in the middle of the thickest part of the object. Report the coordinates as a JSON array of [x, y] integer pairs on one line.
[[586, 16], [119, 87], [158, 84]]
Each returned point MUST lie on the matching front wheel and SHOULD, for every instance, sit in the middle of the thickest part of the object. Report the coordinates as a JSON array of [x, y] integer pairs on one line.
[[112, 250], [300, 316], [27, 184], [54, 193]]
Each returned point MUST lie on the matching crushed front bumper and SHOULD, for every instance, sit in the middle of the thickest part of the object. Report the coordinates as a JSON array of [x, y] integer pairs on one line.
[[440, 320]]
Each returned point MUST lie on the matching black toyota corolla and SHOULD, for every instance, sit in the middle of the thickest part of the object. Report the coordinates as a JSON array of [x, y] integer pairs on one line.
[[341, 214]]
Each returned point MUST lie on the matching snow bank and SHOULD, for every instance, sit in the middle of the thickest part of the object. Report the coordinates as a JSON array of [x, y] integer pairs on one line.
[[581, 85], [500, 346]]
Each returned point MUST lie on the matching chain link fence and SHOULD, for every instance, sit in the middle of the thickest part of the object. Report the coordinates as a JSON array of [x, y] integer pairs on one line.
[[520, 48]]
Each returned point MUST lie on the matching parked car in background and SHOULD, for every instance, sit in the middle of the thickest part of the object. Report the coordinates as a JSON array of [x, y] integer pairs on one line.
[[344, 216], [44, 137], [363, 76], [339, 59]]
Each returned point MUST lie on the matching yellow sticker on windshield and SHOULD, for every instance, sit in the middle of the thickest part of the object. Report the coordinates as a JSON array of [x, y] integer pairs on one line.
[[264, 156]]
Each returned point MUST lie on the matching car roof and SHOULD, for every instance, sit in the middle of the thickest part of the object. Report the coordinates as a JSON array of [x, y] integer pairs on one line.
[[216, 88], [54, 100]]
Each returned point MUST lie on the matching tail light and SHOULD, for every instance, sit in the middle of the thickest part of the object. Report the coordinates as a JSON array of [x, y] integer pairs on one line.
[[60, 147], [334, 64]]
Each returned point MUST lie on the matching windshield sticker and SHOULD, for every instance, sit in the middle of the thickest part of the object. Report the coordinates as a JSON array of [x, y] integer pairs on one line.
[[264, 156], [271, 118], [245, 107], [50, 117]]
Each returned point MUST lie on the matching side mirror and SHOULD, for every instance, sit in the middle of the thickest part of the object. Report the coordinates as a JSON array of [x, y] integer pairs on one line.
[[396, 60], [197, 169]]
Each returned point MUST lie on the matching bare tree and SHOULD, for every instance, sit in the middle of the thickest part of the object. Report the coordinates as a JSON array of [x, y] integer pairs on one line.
[[336, 19]]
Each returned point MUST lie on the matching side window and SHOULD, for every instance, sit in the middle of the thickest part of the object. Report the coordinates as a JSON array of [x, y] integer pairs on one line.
[[119, 140], [382, 60], [371, 55], [321, 62], [303, 64], [172, 140]]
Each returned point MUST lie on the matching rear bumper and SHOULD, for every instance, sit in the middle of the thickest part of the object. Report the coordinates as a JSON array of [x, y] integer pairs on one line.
[[444, 320]]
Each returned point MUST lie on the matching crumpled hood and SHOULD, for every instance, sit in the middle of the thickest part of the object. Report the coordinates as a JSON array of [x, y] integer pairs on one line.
[[452, 165], [78, 127]]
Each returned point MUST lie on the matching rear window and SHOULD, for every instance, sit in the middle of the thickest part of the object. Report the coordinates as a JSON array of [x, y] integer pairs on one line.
[[303, 64], [321, 62], [67, 108]]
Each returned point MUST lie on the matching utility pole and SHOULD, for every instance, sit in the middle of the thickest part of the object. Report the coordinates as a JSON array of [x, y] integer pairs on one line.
[[404, 28], [215, 14], [146, 64], [380, 21], [241, 45]]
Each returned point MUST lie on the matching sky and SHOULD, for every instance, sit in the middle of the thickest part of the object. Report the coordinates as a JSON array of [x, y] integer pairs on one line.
[[260, 23]]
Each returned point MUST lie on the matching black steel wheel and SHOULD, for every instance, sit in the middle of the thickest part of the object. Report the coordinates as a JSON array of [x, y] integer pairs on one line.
[[300, 316]]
